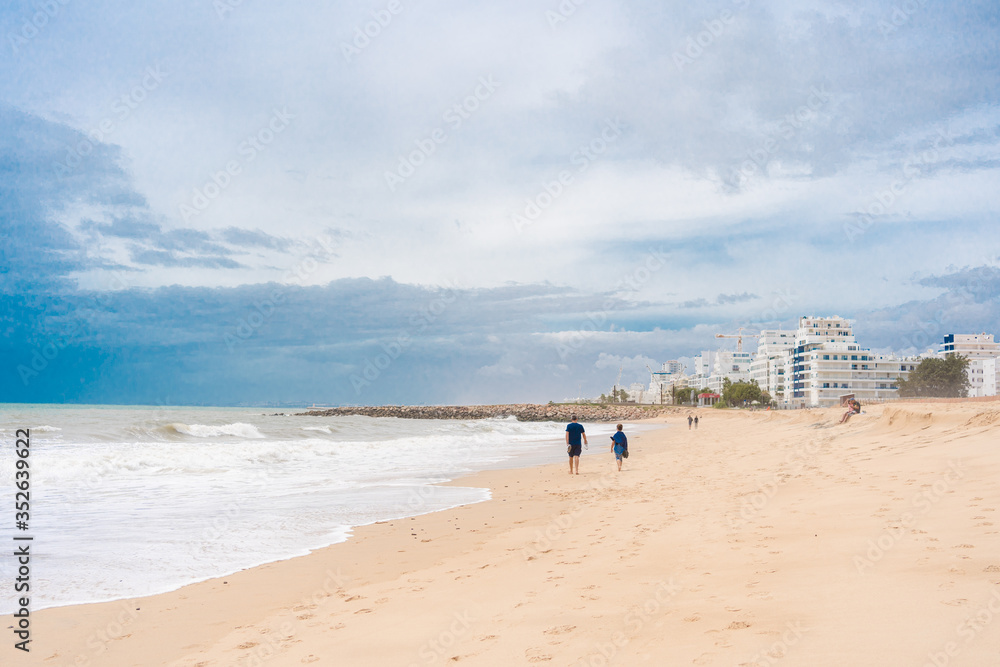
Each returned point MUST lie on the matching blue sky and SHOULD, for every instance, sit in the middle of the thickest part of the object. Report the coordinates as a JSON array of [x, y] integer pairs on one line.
[[221, 202]]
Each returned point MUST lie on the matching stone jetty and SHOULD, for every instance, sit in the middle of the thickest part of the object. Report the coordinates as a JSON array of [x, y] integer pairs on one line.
[[526, 412]]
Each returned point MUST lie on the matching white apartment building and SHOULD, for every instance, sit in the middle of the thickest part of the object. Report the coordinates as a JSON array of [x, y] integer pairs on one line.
[[728, 364], [637, 393], [768, 366], [704, 363], [827, 362], [661, 387], [978, 349], [991, 376]]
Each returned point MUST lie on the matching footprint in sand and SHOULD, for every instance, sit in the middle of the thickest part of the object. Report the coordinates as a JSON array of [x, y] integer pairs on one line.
[[561, 630], [738, 625], [536, 655], [704, 659], [310, 658]]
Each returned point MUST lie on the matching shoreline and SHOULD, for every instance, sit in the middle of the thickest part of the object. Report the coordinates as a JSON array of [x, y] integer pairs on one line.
[[669, 562]]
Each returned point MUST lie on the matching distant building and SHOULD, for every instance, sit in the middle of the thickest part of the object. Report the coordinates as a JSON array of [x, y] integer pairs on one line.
[[672, 367], [768, 366], [991, 376], [636, 392], [978, 349]]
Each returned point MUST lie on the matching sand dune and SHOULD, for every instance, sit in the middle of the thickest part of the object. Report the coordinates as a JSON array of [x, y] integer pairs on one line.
[[759, 539]]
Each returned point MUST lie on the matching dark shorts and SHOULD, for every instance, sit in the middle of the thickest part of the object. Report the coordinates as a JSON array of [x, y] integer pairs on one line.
[[574, 450]]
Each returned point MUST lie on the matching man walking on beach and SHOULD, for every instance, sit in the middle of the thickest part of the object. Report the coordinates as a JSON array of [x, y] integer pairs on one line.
[[689, 422], [574, 432]]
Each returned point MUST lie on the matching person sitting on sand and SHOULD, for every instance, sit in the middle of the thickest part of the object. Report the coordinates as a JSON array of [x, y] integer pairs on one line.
[[619, 445], [574, 432], [853, 408]]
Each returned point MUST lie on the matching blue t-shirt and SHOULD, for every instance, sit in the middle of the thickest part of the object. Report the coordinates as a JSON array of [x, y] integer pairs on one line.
[[620, 439], [575, 430]]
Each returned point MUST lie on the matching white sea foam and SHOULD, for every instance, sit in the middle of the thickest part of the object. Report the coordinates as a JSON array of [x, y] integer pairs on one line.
[[238, 429], [143, 500], [319, 429]]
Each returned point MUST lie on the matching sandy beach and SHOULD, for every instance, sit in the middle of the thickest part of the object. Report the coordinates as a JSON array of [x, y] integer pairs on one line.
[[761, 538]]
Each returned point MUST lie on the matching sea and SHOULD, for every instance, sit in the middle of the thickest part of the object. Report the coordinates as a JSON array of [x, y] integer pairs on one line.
[[127, 501]]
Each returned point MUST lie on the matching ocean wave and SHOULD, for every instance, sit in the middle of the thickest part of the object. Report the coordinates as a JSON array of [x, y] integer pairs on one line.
[[237, 429], [45, 429], [320, 429]]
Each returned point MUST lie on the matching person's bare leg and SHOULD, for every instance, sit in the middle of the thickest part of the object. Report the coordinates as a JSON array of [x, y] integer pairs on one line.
[[576, 463], [571, 465]]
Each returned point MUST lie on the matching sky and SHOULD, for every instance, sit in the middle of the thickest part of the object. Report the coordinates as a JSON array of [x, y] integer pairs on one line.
[[235, 202]]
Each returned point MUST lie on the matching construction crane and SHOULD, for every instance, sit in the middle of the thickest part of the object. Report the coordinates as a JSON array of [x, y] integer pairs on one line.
[[739, 338]]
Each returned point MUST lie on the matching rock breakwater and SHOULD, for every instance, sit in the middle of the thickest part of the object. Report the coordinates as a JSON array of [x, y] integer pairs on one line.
[[526, 412]]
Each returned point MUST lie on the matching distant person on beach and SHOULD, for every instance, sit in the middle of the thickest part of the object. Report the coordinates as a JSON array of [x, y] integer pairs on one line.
[[574, 432], [689, 422], [619, 445], [696, 423], [853, 408]]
